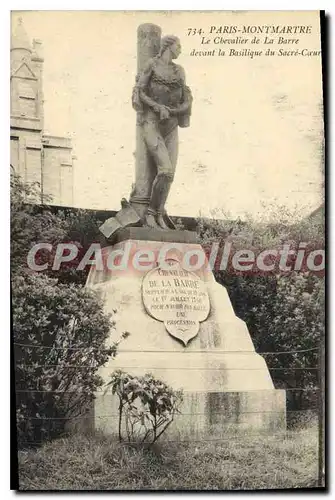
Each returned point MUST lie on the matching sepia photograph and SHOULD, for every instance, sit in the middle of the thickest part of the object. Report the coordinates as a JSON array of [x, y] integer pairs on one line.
[[167, 253]]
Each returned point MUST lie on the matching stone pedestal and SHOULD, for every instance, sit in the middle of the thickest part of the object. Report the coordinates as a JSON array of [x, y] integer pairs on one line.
[[226, 384]]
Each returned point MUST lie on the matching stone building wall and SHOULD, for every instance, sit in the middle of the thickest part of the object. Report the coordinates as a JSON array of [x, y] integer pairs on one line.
[[35, 155]]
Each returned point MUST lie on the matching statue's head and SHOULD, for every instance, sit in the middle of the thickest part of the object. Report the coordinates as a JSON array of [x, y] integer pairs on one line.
[[172, 43]]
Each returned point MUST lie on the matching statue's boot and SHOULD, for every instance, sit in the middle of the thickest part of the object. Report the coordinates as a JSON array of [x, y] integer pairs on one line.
[[150, 219], [161, 222], [161, 209]]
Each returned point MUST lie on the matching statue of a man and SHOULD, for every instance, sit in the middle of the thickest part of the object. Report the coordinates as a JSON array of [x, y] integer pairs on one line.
[[162, 101]]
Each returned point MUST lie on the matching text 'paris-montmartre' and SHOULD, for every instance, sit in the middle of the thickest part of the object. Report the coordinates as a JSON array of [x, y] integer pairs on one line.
[[289, 39]]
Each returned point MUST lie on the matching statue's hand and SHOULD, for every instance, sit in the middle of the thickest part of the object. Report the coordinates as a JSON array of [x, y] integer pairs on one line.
[[173, 111], [164, 112]]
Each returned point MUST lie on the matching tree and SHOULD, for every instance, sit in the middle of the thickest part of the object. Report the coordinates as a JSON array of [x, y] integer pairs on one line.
[[33, 223], [59, 327], [28, 225], [283, 311]]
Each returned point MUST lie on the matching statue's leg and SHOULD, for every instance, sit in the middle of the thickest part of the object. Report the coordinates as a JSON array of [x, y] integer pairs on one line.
[[171, 144], [165, 171]]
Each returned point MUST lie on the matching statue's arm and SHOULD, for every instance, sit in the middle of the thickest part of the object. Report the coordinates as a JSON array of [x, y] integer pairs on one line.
[[186, 105], [140, 96]]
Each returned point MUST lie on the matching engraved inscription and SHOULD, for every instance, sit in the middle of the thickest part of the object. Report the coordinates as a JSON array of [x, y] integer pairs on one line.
[[177, 297]]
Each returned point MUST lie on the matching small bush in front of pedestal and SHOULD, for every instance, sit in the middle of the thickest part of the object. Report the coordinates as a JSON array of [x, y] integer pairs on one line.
[[147, 406]]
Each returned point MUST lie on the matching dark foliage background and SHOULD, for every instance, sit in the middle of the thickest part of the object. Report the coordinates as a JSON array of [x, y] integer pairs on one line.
[[283, 311]]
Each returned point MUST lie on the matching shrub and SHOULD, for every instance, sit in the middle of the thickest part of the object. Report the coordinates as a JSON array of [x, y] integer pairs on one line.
[[147, 405], [60, 334]]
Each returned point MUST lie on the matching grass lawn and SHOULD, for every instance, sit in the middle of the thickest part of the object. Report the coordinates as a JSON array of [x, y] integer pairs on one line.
[[99, 463]]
